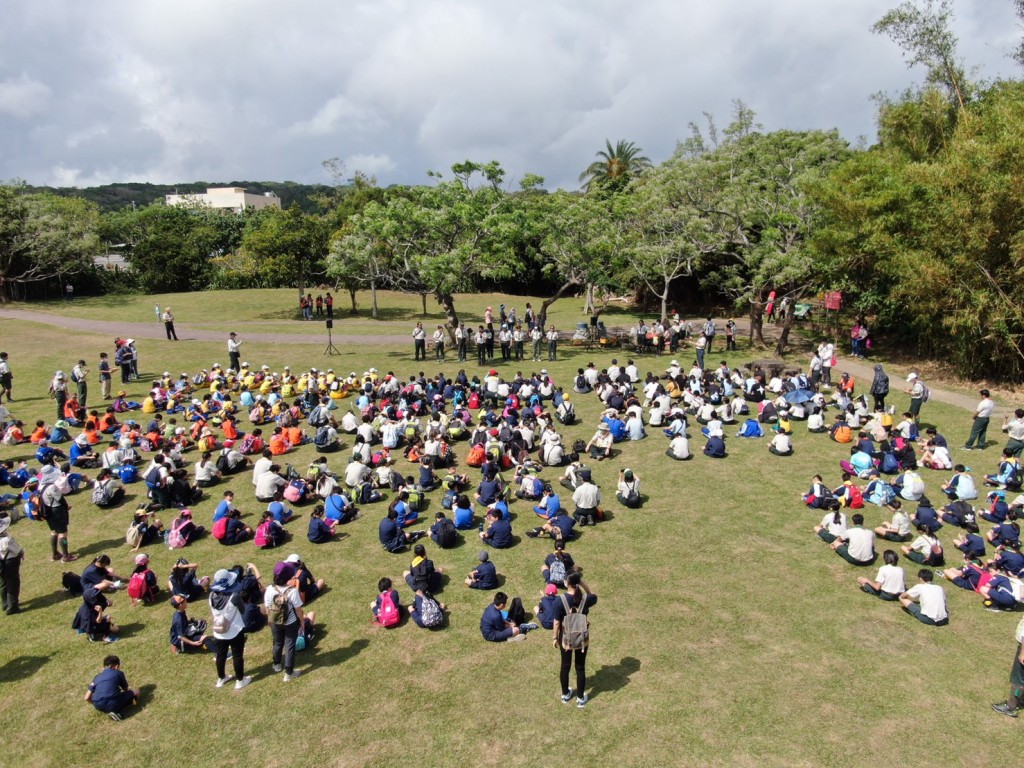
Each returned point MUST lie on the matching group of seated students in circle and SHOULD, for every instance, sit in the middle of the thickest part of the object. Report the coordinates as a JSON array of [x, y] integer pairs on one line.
[[998, 580]]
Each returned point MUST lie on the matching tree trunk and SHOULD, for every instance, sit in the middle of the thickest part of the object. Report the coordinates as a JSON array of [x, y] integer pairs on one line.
[[588, 299], [542, 315], [447, 302], [373, 298], [352, 295], [423, 298], [757, 323], [787, 324], [664, 303]]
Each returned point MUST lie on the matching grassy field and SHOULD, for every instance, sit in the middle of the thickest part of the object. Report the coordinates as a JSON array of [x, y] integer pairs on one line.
[[726, 634]]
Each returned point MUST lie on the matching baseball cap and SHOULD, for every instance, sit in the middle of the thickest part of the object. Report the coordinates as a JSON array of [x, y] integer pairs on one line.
[[550, 589]]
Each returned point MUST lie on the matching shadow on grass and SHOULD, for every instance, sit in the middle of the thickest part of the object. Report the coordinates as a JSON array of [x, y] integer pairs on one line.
[[45, 601], [340, 655], [613, 678], [145, 697], [89, 550], [21, 667], [130, 630]]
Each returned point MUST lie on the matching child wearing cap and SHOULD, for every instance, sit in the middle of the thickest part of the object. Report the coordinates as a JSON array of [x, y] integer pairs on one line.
[[545, 610], [485, 575]]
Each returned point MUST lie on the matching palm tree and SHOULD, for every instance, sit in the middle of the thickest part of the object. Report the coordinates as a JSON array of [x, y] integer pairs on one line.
[[615, 166]]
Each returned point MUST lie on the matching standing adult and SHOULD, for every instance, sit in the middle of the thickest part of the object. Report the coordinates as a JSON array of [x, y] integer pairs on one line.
[[168, 318], [460, 340], [234, 351], [103, 370], [916, 391], [419, 342], [319, 305], [55, 510], [69, 292], [133, 353], [1014, 430], [552, 337], [979, 426], [571, 636], [284, 611], [59, 392], [1016, 697], [329, 304], [6, 378], [11, 555], [227, 606], [439, 343], [123, 360], [80, 375], [879, 387], [709, 333], [827, 353]]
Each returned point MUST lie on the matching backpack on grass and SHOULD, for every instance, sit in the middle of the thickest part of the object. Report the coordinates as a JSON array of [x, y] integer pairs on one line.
[[388, 615]]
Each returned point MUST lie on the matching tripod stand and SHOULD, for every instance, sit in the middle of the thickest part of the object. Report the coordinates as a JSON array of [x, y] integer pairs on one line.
[[331, 349]]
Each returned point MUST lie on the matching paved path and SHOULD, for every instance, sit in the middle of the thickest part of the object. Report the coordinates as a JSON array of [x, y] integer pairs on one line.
[[155, 330], [862, 371]]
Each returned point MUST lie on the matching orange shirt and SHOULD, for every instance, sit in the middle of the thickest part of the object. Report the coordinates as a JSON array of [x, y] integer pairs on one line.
[[39, 433], [278, 444]]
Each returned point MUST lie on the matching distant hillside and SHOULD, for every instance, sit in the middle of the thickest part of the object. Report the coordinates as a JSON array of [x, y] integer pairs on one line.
[[112, 197]]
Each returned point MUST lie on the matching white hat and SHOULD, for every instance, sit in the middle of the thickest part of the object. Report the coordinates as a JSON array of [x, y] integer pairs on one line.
[[245, 365], [167, 373], [373, 370], [911, 377], [292, 558], [129, 341]]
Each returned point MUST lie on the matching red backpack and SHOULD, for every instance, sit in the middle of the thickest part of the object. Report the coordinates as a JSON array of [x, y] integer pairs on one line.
[[388, 614], [856, 497], [474, 401], [138, 589], [220, 528]]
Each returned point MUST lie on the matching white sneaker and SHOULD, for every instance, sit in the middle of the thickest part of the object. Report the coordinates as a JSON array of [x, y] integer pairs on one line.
[[224, 681], [240, 684], [293, 675]]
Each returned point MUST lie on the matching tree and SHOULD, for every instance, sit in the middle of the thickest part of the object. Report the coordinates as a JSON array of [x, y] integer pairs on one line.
[[921, 29], [614, 168], [289, 246], [45, 237]]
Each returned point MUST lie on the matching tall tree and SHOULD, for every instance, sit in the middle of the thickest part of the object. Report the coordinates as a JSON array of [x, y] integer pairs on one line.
[[44, 237], [614, 167], [289, 245]]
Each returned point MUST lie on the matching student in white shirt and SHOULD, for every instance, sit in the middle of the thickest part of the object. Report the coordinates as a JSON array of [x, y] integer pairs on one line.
[[679, 448], [891, 581], [926, 601], [781, 445], [857, 545]]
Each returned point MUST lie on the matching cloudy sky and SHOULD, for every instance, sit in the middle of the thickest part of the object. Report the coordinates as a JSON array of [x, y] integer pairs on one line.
[[217, 90]]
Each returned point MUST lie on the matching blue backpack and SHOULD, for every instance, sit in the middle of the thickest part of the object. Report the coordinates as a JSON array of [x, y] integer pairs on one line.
[[750, 428], [889, 464]]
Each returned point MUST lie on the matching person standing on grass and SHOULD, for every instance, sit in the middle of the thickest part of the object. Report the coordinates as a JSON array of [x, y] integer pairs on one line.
[[1013, 702], [419, 342], [234, 351], [6, 378], [319, 305], [329, 305], [104, 376], [227, 607], [536, 334], [284, 611], [571, 636], [552, 337], [55, 510], [59, 392], [460, 340], [916, 392], [168, 318], [11, 555], [979, 425], [1014, 429], [80, 375], [439, 344], [826, 353], [109, 691]]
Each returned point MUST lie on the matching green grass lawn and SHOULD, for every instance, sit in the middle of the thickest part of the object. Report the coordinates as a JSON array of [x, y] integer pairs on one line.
[[726, 633]]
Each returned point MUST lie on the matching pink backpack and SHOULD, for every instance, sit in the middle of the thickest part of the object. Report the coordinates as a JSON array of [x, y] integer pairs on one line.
[[262, 538], [175, 539], [293, 492], [388, 615]]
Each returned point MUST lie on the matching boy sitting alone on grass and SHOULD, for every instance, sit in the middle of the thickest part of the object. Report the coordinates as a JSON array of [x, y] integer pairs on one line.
[[109, 691]]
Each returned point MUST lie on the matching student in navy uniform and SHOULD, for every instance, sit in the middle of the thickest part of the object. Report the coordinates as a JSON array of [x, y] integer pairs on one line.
[[1010, 560], [568, 565], [545, 609], [715, 447], [393, 538], [422, 574], [579, 597], [182, 639], [495, 626], [485, 575], [971, 544], [1016, 697], [499, 531], [109, 691]]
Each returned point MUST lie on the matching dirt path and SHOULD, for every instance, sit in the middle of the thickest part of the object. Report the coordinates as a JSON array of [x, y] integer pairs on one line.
[[155, 330]]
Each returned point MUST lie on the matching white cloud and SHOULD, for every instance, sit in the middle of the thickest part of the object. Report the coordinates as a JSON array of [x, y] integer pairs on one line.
[[239, 90], [23, 96]]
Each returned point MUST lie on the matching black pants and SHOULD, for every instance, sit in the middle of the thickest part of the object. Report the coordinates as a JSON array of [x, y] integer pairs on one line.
[[581, 670], [420, 349], [126, 372], [879, 402], [284, 636], [10, 583], [237, 646], [169, 327], [462, 350]]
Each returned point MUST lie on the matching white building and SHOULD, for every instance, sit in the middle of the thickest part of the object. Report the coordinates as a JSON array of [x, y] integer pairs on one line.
[[227, 199]]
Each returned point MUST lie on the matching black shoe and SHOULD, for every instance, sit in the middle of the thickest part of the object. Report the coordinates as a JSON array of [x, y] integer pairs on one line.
[[1004, 709], [533, 533]]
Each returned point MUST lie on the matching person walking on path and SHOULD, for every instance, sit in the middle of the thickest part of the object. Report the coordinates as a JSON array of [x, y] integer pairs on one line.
[[168, 318], [979, 426], [916, 392], [879, 387], [1013, 702], [6, 378], [571, 636], [234, 352], [11, 555]]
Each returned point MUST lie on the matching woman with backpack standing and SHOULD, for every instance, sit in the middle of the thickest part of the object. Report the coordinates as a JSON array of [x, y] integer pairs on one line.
[[284, 614], [228, 627], [571, 636]]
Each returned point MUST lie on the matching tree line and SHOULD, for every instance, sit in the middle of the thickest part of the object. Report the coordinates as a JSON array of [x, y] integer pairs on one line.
[[921, 231]]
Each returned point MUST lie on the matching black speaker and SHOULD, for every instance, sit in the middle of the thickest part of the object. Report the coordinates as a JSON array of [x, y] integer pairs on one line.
[[330, 323]]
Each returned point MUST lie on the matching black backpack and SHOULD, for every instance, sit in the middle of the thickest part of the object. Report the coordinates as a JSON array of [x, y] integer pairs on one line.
[[578, 446], [581, 382], [447, 536]]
